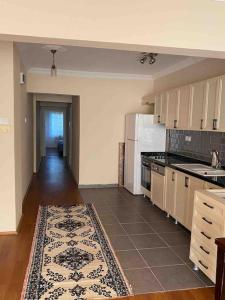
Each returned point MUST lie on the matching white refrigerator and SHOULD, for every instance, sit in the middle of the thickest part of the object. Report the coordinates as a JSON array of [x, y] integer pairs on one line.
[[141, 135]]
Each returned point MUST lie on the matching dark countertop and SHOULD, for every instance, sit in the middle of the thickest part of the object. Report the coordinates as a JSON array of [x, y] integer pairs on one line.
[[171, 159]]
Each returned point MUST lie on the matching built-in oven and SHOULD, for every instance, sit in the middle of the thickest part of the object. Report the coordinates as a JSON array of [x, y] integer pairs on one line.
[[146, 176]]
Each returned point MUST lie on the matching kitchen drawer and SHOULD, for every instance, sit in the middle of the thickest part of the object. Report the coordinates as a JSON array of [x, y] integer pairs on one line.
[[211, 186], [203, 236], [204, 250], [210, 207], [203, 264], [209, 223]]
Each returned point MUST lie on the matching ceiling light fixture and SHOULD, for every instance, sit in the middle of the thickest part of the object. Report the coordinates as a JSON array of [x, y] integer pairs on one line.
[[151, 57], [53, 67]]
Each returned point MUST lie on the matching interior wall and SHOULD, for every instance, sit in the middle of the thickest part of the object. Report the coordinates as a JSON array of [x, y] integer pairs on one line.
[[76, 137], [103, 105], [7, 159], [23, 136], [16, 144], [199, 71]]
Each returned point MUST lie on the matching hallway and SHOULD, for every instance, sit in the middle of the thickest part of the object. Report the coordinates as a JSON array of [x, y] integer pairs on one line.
[[54, 184]]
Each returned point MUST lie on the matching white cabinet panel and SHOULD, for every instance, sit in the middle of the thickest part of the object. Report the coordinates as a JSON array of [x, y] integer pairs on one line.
[[172, 108], [211, 103], [184, 107], [197, 102]]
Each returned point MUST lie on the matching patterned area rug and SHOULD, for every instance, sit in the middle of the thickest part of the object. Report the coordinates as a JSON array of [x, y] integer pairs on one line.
[[71, 257]]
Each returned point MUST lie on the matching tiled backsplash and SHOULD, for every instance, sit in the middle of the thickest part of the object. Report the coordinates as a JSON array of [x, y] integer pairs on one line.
[[200, 146]]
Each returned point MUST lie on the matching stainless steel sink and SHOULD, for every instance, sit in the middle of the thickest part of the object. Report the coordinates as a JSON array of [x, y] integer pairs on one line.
[[201, 169], [211, 173]]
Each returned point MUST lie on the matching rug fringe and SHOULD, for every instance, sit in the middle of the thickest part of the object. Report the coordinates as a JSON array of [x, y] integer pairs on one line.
[[31, 255]]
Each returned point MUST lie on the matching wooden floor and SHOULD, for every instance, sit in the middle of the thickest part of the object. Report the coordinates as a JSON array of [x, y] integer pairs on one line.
[[54, 185]]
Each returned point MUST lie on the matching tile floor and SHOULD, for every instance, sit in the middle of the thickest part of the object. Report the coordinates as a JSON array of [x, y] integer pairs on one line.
[[152, 250]]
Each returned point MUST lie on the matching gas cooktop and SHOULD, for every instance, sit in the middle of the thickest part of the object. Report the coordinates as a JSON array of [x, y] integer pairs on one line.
[[154, 155]]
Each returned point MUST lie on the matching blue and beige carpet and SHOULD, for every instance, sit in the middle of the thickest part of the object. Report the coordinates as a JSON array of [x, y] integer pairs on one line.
[[71, 257]]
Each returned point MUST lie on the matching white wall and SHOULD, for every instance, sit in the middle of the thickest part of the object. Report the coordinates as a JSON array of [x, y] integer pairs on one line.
[[103, 105], [16, 145], [199, 71], [192, 27]]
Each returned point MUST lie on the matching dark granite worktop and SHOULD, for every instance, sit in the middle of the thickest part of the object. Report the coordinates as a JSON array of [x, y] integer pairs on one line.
[[168, 159]]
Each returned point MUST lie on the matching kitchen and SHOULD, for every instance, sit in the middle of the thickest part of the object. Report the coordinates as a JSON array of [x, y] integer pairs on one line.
[[184, 176]]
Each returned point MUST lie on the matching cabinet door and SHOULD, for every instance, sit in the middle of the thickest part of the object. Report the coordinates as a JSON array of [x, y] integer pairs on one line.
[[157, 109], [181, 197], [172, 109], [210, 104], [221, 105], [197, 101], [184, 107], [211, 186], [163, 113], [170, 183], [157, 189], [194, 185]]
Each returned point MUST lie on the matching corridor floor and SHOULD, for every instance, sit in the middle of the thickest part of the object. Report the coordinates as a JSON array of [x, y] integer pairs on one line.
[[55, 185]]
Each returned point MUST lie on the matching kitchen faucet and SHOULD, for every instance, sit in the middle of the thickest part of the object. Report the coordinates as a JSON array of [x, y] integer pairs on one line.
[[215, 163]]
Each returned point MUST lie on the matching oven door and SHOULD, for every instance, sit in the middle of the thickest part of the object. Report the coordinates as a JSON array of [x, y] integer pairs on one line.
[[146, 177]]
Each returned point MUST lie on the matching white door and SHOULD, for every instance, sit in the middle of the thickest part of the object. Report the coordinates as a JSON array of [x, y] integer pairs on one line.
[[130, 171], [131, 127]]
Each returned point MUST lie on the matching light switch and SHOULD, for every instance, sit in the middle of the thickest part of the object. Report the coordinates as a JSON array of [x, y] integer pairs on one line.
[[4, 121]]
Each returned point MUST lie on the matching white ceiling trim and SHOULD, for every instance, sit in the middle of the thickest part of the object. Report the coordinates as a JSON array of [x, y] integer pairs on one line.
[[178, 66], [85, 74]]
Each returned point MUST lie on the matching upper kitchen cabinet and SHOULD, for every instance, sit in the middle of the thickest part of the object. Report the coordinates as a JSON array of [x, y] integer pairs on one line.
[[220, 108], [197, 120], [211, 104], [160, 112], [184, 107], [157, 109], [173, 108]]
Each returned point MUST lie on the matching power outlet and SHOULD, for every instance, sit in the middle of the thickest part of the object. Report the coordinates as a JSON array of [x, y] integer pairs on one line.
[[188, 138]]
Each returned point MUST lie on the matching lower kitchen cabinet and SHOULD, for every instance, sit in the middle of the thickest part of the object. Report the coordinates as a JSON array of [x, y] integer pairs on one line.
[[193, 185], [170, 181], [157, 189], [208, 224], [174, 193], [179, 195]]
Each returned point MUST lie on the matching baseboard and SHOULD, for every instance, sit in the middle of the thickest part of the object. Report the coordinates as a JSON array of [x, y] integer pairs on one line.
[[8, 233], [97, 186], [26, 194]]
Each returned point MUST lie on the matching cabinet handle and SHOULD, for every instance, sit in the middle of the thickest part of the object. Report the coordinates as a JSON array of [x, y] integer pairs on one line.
[[175, 124], [201, 124], [205, 235], [202, 248], [173, 173], [158, 118], [207, 221], [214, 124], [186, 181], [204, 266], [209, 206]]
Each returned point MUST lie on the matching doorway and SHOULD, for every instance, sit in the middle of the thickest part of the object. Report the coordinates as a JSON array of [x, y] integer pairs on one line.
[[56, 130]]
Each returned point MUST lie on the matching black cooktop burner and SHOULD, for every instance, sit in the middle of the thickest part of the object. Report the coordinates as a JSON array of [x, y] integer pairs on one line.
[[154, 155]]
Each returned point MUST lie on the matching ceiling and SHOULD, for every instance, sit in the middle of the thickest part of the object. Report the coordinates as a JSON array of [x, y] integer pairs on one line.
[[35, 56]]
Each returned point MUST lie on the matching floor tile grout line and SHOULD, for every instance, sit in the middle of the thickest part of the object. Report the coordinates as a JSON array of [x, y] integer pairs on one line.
[[147, 264], [113, 213], [171, 248], [177, 256]]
